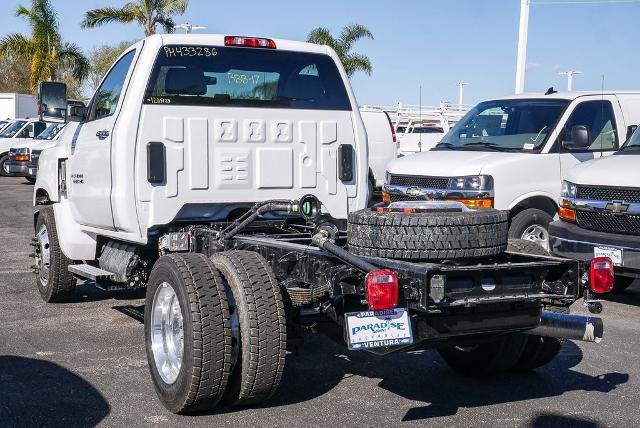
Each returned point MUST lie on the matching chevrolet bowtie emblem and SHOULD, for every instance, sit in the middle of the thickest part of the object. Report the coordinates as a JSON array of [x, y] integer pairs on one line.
[[413, 192], [617, 207]]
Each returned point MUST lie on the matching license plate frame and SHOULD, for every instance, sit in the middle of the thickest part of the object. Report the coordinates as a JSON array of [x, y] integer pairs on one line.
[[378, 329], [616, 254]]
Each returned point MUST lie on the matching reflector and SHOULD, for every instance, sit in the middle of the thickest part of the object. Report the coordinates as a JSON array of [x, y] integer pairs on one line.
[[601, 276], [382, 289]]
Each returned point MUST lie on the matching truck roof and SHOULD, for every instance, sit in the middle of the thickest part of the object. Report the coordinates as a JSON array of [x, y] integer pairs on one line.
[[564, 95], [218, 40]]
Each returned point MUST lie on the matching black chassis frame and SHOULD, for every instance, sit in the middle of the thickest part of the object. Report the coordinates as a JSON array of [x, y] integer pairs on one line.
[[478, 300]]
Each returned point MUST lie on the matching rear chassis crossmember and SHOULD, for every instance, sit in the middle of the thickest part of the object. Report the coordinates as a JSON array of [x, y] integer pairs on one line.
[[450, 302]]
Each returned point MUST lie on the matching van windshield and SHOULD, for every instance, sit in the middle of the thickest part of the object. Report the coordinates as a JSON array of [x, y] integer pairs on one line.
[[632, 147], [505, 125], [12, 129], [245, 77]]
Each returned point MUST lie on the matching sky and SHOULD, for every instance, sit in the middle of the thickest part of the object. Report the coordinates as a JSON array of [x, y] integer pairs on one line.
[[431, 44]]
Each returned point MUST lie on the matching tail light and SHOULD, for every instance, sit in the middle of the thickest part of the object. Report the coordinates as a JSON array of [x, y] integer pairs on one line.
[[382, 289], [249, 42], [601, 276]]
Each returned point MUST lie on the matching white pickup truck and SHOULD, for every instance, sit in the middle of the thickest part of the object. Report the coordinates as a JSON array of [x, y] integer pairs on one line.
[[600, 212], [228, 176], [510, 154]]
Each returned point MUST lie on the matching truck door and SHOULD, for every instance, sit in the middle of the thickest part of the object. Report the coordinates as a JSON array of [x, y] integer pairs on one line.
[[89, 163], [597, 114]]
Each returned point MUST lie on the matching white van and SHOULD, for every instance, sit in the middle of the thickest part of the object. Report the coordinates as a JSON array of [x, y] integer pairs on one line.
[[415, 139], [510, 153], [381, 140]]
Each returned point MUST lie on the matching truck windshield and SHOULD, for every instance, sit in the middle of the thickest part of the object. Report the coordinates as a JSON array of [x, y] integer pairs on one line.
[[632, 146], [505, 125], [51, 132], [12, 129], [245, 77]]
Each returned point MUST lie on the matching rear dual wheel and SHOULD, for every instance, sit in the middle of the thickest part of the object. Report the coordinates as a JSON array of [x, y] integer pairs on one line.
[[215, 330]]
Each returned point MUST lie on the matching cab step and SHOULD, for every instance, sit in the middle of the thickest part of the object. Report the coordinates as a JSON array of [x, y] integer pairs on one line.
[[91, 272]]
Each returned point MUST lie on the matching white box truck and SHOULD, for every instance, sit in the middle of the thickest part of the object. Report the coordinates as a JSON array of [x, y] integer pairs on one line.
[[14, 105]]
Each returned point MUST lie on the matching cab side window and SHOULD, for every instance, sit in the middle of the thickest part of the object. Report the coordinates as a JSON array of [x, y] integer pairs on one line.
[[106, 97], [599, 119]]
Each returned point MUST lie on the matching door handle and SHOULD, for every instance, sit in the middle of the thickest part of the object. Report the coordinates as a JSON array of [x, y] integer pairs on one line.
[[102, 134]]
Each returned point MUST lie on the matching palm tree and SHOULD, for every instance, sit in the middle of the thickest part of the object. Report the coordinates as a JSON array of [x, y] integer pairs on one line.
[[350, 34], [45, 52], [148, 13]]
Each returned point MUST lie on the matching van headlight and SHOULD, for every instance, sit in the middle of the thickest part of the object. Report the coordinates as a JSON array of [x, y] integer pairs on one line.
[[471, 182], [569, 190]]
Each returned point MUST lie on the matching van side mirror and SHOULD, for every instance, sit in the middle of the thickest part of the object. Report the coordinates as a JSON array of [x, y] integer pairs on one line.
[[630, 130], [580, 138], [52, 101]]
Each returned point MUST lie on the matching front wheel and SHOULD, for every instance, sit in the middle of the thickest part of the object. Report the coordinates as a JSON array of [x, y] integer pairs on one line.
[[187, 332], [53, 279], [531, 225], [3, 161]]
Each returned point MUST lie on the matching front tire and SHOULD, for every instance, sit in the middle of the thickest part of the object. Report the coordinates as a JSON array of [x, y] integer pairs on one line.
[[3, 159], [262, 341], [187, 332], [532, 225], [487, 358], [53, 279]]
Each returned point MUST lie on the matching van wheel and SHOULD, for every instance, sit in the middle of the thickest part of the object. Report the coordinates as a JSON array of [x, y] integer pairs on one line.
[[53, 279], [532, 225], [3, 159], [31, 180], [484, 359], [187, 332], [260, 339]]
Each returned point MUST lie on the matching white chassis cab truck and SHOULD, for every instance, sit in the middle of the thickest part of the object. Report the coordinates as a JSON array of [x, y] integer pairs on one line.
[[227, 175], [510, 154]]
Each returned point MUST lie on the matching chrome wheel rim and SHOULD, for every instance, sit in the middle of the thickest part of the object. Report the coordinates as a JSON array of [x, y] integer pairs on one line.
[[538, 234], [43, 255], [167, 333]]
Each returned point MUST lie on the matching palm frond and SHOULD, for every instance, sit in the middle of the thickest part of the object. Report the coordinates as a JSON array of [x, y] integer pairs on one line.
[[356, 62], [352, 33], [167, 24], [97, 17], [16, 46], [173, 7], [322, 36], [71, 56]]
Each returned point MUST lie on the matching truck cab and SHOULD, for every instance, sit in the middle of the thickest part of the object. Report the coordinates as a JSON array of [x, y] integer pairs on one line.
[[599, 214], [188, 127], [510, 154]]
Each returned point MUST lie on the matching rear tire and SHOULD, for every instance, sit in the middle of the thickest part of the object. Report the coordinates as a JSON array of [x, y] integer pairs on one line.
[[263, 335], [532, 225], [3, 160], [53, 279], [487, 358], [538, 351], [186, 303]]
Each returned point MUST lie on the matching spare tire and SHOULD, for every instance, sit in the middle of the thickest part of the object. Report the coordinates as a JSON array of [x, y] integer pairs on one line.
[[428, 236]]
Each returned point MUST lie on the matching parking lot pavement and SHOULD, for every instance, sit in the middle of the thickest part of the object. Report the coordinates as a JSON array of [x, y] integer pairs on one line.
[[83, 363]]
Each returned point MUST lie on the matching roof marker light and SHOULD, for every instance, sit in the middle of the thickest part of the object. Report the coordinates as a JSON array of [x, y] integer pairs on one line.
[[249, 42]]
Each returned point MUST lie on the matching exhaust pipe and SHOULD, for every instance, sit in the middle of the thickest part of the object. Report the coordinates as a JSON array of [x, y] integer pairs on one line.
[[566, 326]]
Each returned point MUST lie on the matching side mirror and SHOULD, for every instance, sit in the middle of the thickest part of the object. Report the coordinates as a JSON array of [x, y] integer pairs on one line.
[[630, 130], [52, 101], [580, 138], [77, 113]]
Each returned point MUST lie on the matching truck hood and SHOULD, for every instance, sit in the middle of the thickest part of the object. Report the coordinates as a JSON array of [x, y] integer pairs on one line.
[[449, 163], [615, 170], [34, 144]]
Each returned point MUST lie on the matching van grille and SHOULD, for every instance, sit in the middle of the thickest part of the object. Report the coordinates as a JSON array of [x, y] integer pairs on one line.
[[608, 194], [419, 181], [605, 222]]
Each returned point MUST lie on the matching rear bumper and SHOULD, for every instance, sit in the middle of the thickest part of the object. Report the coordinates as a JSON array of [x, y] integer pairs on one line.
[[569, 240], [22, 169]]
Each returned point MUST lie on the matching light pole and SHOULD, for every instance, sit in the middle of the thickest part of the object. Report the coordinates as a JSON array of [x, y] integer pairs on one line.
[[461, 86], [522, 45], [569, 75]]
